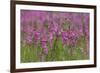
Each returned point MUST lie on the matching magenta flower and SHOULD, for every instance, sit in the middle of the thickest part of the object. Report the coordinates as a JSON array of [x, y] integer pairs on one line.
[[51, 37], [44, 46], [64, 37], [36, 37]]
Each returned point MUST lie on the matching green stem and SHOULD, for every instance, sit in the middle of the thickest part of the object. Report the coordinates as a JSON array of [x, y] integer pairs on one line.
[[53, 50]]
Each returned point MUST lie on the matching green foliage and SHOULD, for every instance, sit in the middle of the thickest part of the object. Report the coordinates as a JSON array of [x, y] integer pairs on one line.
[[58, 53]]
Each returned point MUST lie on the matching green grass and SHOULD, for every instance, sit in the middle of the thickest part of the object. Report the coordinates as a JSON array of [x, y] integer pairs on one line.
[[57, 53]]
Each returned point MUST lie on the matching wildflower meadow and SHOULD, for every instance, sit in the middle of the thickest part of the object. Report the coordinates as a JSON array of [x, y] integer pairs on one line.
[[54, 36]]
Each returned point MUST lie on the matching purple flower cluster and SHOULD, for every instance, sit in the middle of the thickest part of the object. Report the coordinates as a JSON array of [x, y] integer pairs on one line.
[[42, 27], [69, 37]]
